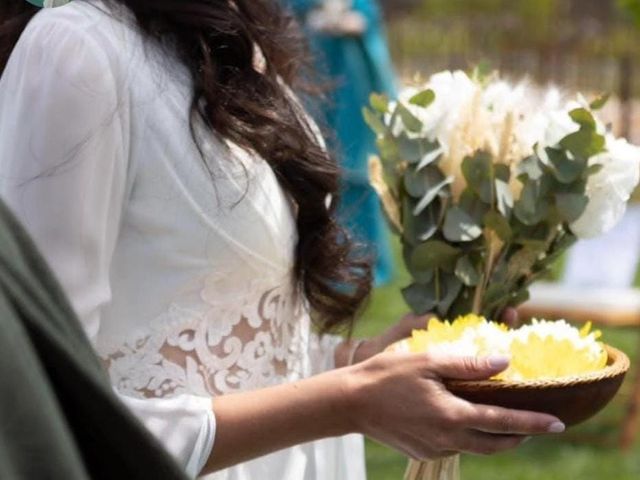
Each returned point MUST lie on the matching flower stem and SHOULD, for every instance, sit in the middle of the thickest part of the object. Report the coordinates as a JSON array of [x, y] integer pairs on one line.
[[477, 297]]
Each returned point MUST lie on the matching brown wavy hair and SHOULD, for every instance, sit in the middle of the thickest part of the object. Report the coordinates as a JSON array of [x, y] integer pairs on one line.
[[218, 40]]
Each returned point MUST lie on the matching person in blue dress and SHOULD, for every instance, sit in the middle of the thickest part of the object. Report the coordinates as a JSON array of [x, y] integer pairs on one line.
[[348, 41]]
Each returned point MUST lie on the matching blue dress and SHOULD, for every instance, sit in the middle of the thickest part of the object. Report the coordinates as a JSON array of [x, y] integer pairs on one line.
[[356, 67]]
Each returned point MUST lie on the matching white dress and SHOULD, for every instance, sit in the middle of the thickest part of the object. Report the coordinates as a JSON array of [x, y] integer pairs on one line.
[[181, 274]]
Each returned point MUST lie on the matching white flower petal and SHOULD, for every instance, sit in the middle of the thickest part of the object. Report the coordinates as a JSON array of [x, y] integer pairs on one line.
[[609, 190]]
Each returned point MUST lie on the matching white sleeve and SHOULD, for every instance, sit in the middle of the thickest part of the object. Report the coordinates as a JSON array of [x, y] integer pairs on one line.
[[64, 126]]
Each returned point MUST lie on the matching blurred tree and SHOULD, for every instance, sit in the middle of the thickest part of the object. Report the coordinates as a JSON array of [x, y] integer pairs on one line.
[[631, 8], [395, 8]]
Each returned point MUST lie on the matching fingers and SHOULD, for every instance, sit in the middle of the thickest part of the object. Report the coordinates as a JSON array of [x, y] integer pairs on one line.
[[500, 420], [481, 443], [405, 327], [510, 317], [452, 440], [466, 368], [412, 322]]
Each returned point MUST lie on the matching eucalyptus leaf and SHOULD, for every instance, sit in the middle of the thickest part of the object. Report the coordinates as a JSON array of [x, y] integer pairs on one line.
[[504, 197], [467, 272], [419, 276], [559, 246], [593, 169], [566, 170], [421, 227], [571, 206], [583, 117], [499, 274], [530, 168], [424, 276], [522, 262], [459, 226], [463, 304], [421, 298], [600, 102], [499, 224], [423, 99], [450, 287], [374, 121], [435, 254], [387, 147], [502, 172], [519, 297], [431, 194], [409, 149], [584, 144], [536, 244], [410, 121], [495, 293], [478, 172], [418, 182], [379, 102], [430, 157], [564, 241], [532, 207], [471, 204], [536, 236]]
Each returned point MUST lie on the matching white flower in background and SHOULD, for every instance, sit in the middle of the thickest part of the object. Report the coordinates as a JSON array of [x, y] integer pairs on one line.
[[559, 125], [610, 189], [452, 90]]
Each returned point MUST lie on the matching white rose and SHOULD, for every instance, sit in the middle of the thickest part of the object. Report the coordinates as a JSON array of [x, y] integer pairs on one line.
[[609, 190]]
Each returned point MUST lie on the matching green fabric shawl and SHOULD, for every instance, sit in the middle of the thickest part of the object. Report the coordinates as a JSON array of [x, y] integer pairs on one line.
[[59, 419]]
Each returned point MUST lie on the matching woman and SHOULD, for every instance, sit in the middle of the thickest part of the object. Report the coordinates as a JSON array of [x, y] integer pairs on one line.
[[349, 44], [156, 154]]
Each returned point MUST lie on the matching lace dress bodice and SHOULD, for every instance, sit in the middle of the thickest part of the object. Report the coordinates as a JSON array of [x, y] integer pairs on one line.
[[179, 262], [232, 320]]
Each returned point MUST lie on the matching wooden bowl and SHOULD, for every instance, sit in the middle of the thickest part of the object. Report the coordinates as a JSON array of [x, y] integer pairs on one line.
[[572, 399]]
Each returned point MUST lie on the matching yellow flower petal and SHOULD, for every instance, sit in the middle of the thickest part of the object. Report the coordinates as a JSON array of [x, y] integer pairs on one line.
[[542, 350]]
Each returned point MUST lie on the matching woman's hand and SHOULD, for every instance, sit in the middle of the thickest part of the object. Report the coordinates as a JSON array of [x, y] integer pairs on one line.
[[397, 399], [401, 400], [397, 332]]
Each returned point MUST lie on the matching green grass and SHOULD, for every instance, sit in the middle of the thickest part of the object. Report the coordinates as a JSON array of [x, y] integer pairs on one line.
[[586, 452]]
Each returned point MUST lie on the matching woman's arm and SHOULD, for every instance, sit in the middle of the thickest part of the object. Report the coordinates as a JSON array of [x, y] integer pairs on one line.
[[64, 150], [356, 351], [397, 399]]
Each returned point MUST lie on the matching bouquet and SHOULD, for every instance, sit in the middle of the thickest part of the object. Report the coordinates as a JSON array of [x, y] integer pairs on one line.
[[487, 184]]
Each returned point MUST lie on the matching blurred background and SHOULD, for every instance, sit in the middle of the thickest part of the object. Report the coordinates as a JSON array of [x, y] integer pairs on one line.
[[592, 46], [586, 45]]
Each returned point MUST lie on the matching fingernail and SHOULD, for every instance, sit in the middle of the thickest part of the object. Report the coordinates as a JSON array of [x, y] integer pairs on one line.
[[499, 361], [556, 427]]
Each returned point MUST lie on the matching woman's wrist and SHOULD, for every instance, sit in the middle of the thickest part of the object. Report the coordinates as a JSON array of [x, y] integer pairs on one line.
[[352, 382], [354, 351], [256, 423]]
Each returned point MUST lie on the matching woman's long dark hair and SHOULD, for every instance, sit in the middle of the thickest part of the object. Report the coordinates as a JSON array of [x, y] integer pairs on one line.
[[217, 41]]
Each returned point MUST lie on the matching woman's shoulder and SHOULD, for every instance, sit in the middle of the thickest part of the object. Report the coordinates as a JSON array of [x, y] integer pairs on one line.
[[77, 52], [80, 29]]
